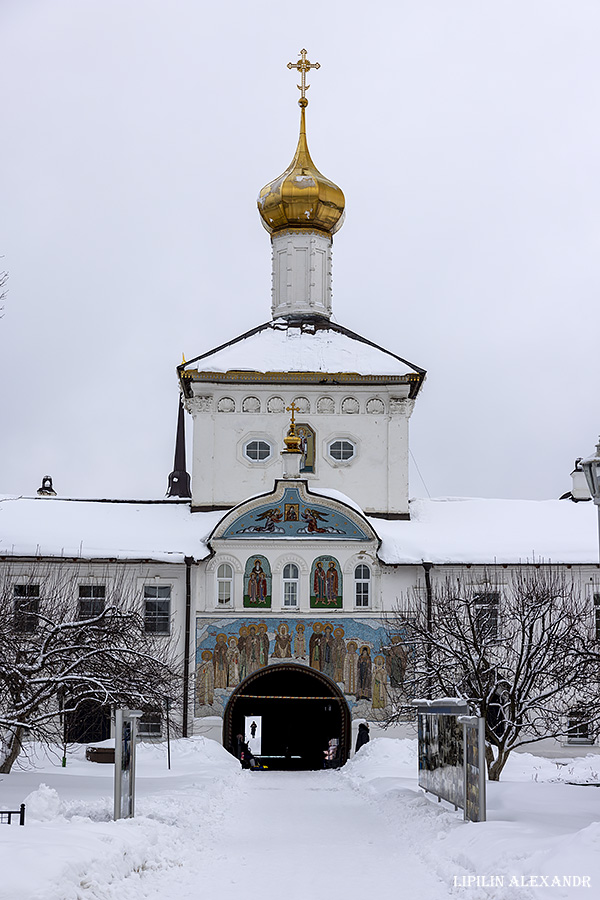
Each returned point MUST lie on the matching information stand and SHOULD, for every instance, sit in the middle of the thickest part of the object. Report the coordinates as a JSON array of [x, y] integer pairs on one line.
[[452, 754], [125, 744]]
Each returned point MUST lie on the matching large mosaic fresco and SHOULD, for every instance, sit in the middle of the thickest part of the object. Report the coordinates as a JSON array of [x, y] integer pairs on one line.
[[352, 652], [293, 517]]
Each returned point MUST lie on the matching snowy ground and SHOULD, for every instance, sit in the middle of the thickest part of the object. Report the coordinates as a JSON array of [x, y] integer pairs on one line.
[[208, 829]]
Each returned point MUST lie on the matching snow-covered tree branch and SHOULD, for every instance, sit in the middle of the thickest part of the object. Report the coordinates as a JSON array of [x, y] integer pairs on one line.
[[516, 646], [58, 652]]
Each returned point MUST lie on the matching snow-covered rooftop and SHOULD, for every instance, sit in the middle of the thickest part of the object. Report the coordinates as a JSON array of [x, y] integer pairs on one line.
[[450, 531], [284, 347], [457, 530], [91, 529]]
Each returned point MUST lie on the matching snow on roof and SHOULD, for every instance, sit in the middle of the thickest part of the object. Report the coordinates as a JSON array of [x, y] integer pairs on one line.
[[282, 347], [447, 531], [90, 529], [460, 530]]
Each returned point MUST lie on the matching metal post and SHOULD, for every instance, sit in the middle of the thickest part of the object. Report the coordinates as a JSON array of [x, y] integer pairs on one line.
[[465, 786], [118, 762], [167, 706], [22, 814], [427, 566]]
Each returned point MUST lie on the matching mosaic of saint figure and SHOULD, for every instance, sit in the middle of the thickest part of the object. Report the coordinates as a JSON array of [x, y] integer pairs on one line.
[[291, 512], [270, 517], [315, 647], [233, 663], [379, 683], [311, 517], [325, 583], [299, 642], [257, 584], [283, 643], [327, 645], [243, 648], [319, 583], [397, 660], [253, 643], [220, 661], [263, 643], [331, 583], [205, 680], [339, 654], [307, 447], [350, 667], [363, 675]]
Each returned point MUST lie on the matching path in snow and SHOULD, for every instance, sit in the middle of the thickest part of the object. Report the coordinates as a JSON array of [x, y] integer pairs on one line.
[[299, 835]]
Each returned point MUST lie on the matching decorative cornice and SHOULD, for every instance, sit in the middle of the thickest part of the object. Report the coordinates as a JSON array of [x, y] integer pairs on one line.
[[243, 377], [401, 406], [311, 230], [195, 405]]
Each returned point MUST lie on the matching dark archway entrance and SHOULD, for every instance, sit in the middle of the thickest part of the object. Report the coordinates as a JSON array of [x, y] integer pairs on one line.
[[301, 710]]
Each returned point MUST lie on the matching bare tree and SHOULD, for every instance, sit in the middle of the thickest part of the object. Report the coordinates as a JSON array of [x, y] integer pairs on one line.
[[57, 652], [517, 652]]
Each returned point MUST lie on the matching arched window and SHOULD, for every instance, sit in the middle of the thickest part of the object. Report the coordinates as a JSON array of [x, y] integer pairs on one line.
[[224, 583], [290, 585], [362, 585]]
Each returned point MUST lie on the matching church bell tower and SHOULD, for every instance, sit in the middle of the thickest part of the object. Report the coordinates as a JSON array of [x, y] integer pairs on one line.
[[352, 398], [301, 210]]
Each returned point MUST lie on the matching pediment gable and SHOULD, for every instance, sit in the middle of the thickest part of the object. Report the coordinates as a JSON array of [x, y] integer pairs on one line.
[[292, 511]]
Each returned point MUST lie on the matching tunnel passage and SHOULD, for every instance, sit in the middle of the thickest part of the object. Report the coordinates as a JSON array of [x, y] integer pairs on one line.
[[300, 709]]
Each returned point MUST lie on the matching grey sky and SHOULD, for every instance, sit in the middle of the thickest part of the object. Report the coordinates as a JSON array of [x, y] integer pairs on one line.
[[136, 136]]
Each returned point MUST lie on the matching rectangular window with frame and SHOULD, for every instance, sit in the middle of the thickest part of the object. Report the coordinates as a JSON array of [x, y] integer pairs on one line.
[[26, 607], [157, 608], [290, 593], [486, 606], [91, 600], [150, 725], [597, 615], [578, 729]]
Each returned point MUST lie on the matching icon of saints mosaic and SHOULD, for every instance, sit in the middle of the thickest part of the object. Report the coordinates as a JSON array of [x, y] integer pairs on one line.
[[356, 655], [257, 583], [325, 583]]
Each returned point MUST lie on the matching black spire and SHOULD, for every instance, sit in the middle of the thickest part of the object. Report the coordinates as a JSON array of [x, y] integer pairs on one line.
[[179, 480]]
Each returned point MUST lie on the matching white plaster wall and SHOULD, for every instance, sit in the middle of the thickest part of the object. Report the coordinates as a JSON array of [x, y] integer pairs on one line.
[[124, 581], [376, 478], [301, 273]]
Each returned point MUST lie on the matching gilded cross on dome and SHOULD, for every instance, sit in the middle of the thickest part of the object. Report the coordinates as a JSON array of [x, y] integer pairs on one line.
[[303, 65], [293, 409], [292, 442]]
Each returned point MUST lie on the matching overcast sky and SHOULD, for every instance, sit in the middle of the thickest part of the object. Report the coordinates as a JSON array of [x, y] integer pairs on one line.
[[136, 135]]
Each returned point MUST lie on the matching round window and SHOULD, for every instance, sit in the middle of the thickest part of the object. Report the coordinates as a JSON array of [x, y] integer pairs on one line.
[[257, 451], [342, 450]]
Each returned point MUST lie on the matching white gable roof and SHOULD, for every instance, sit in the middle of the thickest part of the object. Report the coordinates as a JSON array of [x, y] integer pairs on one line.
[[281, 347]]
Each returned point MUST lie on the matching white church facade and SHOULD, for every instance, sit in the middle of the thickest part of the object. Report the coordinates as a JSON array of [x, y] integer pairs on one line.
[[273, 568]]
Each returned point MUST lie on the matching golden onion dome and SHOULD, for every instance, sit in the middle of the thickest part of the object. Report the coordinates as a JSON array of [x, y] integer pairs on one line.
[[301, 197]]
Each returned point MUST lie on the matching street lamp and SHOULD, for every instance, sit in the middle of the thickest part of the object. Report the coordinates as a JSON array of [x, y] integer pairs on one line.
[[591, 467]]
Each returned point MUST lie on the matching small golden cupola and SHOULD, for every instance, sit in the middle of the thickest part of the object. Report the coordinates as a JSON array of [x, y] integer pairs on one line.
[[302, 210]]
